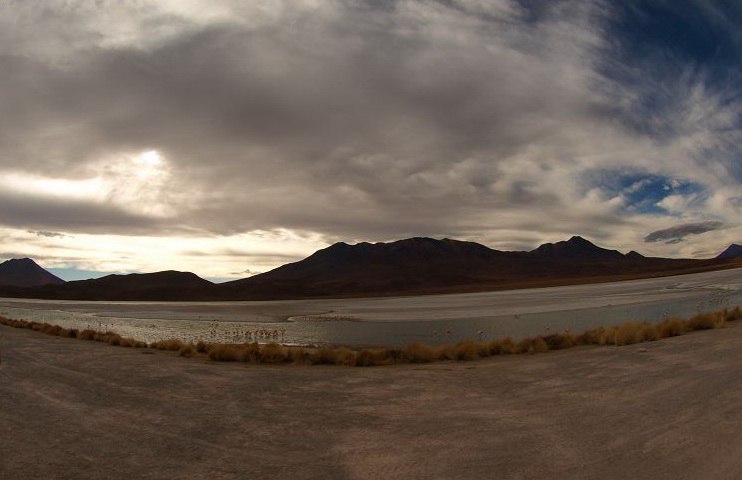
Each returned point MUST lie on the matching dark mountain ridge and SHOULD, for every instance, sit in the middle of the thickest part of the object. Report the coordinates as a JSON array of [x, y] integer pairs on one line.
[[167, 286], [354, 269], [24, 272], [732, 251], [425, 265], [405, 267]]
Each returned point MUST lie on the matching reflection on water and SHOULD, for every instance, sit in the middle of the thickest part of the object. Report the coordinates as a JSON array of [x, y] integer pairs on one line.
[[397, 321]]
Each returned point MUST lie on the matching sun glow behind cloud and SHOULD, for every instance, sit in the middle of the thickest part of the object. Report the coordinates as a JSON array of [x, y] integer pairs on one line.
[[150, 160], [136, 183], [29, 184]]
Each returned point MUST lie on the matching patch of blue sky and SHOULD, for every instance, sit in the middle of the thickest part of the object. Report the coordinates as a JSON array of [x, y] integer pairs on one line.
[[642, 192], [702, 33], [657, 49], [72, 274]]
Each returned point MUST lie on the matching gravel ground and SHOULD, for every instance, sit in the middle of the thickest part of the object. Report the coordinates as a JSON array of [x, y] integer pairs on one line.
[[664, 410]]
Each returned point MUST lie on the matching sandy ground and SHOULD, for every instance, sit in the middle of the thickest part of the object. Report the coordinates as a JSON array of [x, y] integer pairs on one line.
[[81, 410]]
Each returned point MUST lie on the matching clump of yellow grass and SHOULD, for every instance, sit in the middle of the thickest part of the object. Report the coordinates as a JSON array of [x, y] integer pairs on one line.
[[672, 327], [273, 353], [188, 350], [226, 353], [171, 345], [419, 352], [501, 346], [370, 357], [532, 345], [111, 338]]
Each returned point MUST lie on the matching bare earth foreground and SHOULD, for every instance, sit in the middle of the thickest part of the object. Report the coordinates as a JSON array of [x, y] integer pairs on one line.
[[669, 409]]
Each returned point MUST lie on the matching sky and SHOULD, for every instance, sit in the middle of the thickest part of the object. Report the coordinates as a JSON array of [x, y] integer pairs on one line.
[[229, 137]]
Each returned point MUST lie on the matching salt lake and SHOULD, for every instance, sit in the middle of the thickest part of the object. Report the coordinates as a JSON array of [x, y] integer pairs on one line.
[[397, 321]]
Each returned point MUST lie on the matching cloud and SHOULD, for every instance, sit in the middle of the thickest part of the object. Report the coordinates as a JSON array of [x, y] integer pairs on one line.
[[249, 273], [678, 233], [497, 121], [41, 233]]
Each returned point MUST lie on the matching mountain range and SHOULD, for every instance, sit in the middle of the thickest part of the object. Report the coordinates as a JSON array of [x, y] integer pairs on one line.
[[405, 267]]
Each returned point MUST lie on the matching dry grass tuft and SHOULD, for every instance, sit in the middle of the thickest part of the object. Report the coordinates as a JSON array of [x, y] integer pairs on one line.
[[470, 350], [501, 346], [172, 345], [226, 353], [273, 353], [131, 343], [87, 334], [591, 337], [54, 330], [419, 352], [707, 321], [532, 345], [110, 338], [559, 341], [13, 323], [445, 352], [608, 336], [188, 351], [299, 356], [733, 314], [369, 357], [322, 356], [345, 357], [672, 327], [649, 333], [630, 333], [250, 352]]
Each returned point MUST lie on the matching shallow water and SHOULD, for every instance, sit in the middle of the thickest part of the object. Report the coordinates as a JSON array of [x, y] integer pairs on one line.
[[396, 321]]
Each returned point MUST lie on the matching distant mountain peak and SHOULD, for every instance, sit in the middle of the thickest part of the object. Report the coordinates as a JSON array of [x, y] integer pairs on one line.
[[24, 272], [21, 261], [578, 240], [575, 248], [732, 251]]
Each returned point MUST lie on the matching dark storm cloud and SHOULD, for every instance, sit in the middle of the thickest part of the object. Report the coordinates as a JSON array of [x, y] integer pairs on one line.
[[72, 215], [367, 120], [678, 233], [260, 114]]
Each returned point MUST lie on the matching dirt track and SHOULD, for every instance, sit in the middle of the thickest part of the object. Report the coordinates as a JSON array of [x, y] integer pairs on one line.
[[665, 410]]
